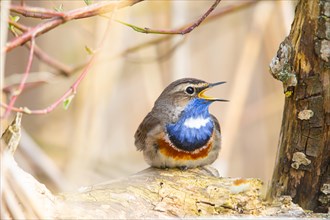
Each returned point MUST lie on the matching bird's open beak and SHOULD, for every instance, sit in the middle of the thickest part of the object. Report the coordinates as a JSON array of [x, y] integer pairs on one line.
[[202, 96]]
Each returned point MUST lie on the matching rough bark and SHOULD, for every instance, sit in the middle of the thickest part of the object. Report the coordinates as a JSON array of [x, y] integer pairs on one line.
[[163, 193], [302, 64]]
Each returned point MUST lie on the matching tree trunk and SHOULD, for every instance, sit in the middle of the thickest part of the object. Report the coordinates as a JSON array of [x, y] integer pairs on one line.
[[302, 64]]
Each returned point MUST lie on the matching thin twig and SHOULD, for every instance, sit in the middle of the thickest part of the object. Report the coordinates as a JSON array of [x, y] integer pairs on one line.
[[51, 61], [35, 31], [19, 26], [182, 31], [35, 12], [87, 11], [230, 8], [127, 51], [4, 14], [24, 78], [71, 91], [35, 78], [40, 54], [161, 57]]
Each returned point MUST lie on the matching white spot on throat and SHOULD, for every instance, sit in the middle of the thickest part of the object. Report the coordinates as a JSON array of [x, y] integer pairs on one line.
[[196, 122]]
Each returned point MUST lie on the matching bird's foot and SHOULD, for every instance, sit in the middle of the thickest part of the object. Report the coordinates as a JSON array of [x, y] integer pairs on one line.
[[183, 168]]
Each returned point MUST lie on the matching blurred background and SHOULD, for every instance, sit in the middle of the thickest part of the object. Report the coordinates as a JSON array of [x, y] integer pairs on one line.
[[93, 141]]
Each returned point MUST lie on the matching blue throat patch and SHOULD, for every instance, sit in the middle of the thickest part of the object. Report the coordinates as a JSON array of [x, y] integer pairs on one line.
[[194, 127]]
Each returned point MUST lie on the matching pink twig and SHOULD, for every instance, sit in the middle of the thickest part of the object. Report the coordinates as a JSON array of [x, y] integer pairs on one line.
[[10, 88], [182, 30], [199, 21], [71, 91], [87, 11], [51, 61], [41, 55], [35, 12], [21, 85]]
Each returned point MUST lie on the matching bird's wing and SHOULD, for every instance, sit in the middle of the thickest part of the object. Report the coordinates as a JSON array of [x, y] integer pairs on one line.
[[216, 123], [148, 123]]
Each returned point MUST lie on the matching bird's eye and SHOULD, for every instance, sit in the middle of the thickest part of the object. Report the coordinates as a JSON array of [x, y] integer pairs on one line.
[[190, 90]]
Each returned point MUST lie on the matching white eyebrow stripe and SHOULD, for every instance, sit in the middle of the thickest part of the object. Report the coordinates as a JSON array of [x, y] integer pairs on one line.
[[196, 122]]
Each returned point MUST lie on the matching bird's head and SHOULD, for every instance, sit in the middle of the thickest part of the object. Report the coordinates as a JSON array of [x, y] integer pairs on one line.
[[179, 94]]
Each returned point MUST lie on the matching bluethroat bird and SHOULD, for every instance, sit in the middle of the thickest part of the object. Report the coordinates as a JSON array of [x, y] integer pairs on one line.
[[179, 131]]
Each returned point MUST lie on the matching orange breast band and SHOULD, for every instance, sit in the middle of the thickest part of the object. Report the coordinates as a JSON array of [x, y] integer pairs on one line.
[[168, 150]]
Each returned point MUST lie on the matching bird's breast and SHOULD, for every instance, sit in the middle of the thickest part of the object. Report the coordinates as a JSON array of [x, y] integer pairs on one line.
[[190, 133]]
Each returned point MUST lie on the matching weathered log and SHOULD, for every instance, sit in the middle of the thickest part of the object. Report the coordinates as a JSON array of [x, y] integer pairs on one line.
[[159, 193], [302, 64]]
